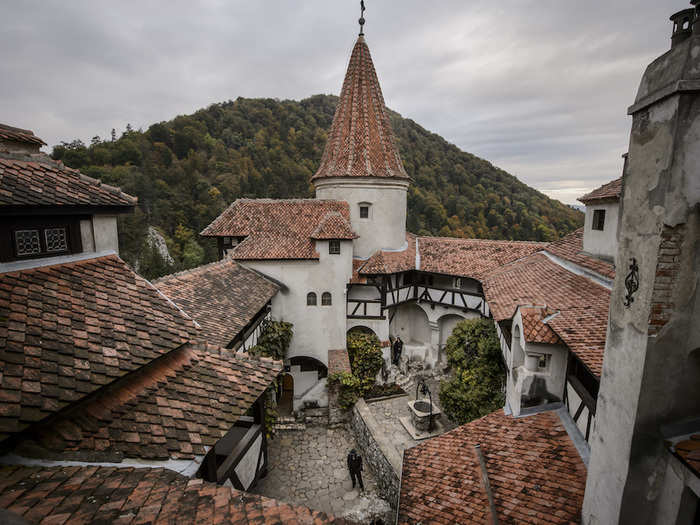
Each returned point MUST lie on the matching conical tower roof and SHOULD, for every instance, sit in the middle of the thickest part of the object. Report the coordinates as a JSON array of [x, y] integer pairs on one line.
[[361, 142]]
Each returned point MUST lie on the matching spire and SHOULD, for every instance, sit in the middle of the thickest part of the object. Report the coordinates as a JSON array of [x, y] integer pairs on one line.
[[361, 142]]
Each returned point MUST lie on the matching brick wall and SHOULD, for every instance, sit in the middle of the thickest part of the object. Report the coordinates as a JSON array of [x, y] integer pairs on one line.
[[667, 271]]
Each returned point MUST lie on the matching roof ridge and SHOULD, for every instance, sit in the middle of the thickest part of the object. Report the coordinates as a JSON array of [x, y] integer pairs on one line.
[[195, 270]]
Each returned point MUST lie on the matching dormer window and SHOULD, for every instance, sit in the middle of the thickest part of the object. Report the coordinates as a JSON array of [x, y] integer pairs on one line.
[[364, 210], [598, 220], [334, 247], [36, 240]]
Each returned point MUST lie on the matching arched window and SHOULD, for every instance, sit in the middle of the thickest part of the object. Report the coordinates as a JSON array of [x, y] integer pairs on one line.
[[311, 299], [326, 299]]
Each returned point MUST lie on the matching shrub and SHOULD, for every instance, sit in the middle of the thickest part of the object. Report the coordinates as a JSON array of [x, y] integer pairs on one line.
[[365, 353], [274, 339], [475, 388], [349, 388]]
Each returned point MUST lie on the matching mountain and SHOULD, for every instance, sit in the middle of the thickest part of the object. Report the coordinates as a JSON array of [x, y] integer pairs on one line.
[[187, 170]]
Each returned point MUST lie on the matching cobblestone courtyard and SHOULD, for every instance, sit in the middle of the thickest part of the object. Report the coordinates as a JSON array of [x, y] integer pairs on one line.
[[308, 467]]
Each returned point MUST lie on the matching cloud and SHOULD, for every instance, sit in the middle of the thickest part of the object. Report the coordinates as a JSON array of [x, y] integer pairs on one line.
[[538, 87]]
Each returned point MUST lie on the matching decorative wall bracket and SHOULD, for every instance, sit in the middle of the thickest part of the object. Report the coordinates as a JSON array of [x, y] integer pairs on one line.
[[632, 282]]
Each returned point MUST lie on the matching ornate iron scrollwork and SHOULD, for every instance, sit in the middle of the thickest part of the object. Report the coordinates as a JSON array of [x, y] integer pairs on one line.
[[632, 282]]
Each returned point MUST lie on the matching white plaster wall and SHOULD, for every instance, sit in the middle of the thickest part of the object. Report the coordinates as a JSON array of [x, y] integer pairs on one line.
[[379, 326], [86, 236], [574, 402], [105, 231], [385, 228], [246, 468], [317, 329], [601, 242], [411, 324]]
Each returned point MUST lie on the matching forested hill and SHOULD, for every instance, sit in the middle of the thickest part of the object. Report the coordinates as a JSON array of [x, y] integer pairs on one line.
[[187, 170]]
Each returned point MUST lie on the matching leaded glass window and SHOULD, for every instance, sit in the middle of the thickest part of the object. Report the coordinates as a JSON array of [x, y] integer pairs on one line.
[[56, 239], [27, 242]]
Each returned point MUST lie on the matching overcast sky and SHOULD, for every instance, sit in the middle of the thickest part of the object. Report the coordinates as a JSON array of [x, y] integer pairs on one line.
[[537, 87]]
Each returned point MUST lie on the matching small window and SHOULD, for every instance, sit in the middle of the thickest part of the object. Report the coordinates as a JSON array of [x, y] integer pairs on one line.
[[27, 242], [364, 211], [543, 362], [598, 220], [334, 247], [311, 299], [458, 282], [326, 299], [56, 240]]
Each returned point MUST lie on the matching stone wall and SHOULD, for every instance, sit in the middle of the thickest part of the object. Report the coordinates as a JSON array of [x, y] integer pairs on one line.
[[377, 451], [338, 361]]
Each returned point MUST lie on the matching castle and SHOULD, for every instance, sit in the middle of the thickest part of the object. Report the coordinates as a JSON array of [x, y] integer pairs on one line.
[[598, 333]]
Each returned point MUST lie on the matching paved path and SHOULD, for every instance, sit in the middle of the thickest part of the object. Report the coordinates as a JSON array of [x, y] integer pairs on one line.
[[308, 467], [387, 414]]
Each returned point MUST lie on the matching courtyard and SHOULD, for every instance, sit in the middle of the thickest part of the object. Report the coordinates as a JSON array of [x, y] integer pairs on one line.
[[308, 467]]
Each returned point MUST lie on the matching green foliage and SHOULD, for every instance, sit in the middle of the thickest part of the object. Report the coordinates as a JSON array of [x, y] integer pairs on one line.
[[187, 170], [274, 340], [349, 388], [271, 413], [365, 353], [475, 388]]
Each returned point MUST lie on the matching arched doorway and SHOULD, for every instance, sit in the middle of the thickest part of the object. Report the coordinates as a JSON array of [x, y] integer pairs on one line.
[[410, 322], [446, 324], [285, 399]]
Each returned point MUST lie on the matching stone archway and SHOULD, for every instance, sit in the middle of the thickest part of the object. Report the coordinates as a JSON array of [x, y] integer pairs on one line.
[[411, 323], [361, 329], [446, 324]]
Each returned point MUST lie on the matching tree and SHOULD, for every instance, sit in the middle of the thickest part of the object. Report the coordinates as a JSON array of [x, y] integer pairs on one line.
[[365, 353], [475, 387]]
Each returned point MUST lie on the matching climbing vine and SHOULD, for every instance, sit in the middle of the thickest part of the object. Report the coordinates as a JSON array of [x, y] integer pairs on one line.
[[273, 342], [349, 388], [365, 353]]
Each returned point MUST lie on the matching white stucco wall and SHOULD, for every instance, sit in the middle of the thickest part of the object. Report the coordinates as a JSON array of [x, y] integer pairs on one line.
[[86, 236], [105, 232], [385, 228], [247, 467], [317, 329], [602, 242]]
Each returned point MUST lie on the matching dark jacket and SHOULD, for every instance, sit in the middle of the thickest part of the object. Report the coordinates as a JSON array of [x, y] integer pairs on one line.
[[354, 463]]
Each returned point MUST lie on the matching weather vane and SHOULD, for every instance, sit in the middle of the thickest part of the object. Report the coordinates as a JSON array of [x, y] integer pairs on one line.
[[362, 17]]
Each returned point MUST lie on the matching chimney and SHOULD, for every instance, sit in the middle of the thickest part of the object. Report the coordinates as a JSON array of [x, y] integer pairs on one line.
[[682, 25], [19, 141]]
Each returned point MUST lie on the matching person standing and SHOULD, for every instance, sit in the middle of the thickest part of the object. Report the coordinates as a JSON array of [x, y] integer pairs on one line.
[[398, 347], [355, 468]]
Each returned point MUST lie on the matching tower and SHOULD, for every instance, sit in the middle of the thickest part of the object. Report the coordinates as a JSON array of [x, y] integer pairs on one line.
[[649, 399], [361, 163]]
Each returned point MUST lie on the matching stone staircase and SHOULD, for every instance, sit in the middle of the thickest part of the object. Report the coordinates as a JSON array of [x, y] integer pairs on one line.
[[288, 423]]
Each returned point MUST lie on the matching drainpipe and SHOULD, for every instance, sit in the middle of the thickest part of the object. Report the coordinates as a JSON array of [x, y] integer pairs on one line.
[[487, 484]]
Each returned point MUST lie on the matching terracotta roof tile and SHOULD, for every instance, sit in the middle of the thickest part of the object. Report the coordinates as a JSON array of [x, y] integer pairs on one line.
[[689, 451], [607, 192], [535, 330], [223, 297], [338, 361], [583, 304], [279, 228], [570, 247], [19, 135], [361, 141], [535, 472], [40, 182], [473, 258], [82, 495], [171, 409], [69, 329]]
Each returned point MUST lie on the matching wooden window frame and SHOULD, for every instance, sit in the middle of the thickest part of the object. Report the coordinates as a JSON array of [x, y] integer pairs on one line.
[[598, 220], [334, 247]]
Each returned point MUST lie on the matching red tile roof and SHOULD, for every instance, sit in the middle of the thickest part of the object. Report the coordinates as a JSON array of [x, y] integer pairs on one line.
[[44, 182], [583, 304], [535, 472], [570, 247], [361, 142], [535, 330], [607, 192], [172, 408], [19, 135], [689, 450], [473, 258], [223, 297], [338, 361], [281, 229], [82, 495], [69, 329]]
